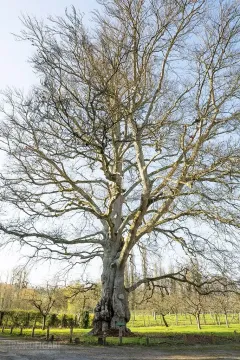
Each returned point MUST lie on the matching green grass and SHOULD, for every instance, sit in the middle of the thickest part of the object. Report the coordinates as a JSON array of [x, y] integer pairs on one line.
[[189, 329], [174, 335], [145, 320]]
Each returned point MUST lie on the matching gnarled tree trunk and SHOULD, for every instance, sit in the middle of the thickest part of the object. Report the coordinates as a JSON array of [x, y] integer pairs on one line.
[[113, 307]]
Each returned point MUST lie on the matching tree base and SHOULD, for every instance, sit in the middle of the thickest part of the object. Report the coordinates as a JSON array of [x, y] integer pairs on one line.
[[112, 333]]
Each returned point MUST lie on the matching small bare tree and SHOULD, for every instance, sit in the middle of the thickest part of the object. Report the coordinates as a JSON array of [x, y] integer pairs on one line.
[[43, 299], [131, 137]]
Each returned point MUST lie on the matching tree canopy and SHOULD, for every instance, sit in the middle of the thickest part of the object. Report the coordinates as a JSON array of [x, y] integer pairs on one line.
[[131, 138]]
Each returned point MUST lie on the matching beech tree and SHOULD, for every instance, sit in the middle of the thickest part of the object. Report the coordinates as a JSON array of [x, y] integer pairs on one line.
[[130, 137]]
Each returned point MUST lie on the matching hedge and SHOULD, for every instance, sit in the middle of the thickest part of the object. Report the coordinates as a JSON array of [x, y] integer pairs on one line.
[[26, 318]]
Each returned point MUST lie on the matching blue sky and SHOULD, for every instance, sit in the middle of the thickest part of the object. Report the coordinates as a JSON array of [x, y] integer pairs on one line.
[[16, 72]]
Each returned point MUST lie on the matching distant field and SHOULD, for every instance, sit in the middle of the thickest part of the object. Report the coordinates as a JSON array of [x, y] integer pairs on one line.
[[142, 320]]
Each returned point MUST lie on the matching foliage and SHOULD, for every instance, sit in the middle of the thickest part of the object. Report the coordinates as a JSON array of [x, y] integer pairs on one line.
[[85, 320], [20, 317], [53, 320]]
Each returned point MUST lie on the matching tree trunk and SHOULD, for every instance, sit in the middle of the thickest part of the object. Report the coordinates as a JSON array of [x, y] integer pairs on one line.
[[44, 317], [176, 319], [113, 307], [27, 320], [204, 319], [1, 317], [198, 321], [164, 320], [132, 280], [226, 319], [212, 317]]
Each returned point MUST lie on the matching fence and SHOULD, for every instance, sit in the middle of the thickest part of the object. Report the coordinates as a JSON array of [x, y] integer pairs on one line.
[[51, 336]]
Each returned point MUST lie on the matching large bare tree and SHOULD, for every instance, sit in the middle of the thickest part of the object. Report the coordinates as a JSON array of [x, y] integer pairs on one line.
[[131, 139]]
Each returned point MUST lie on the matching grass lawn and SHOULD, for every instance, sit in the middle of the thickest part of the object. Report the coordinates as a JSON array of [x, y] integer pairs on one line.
[[158, 335], [142, 320], [188, 329]]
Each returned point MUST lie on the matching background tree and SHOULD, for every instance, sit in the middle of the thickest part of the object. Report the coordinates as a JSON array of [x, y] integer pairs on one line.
[[19, 278], [193, 304], [131, 136], [44, 299], [81, 299], [160, 302], [12, 292]]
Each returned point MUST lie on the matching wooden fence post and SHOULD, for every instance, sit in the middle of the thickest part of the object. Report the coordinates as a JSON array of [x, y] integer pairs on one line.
[[71, 334], [235, 335], [213, 339], [48, 329], [33, 330], [120, 335], [51, 338]]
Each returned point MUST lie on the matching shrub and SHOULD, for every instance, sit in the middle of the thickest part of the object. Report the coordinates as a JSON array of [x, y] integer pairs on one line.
[[85, 320]]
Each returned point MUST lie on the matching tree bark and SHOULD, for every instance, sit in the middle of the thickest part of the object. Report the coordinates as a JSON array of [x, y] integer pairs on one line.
[[27, 320], [113, 307], [1, 317], [218, 319], [44, 317], [176, 319], [197, 315], [164, 320], [226, 319]]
